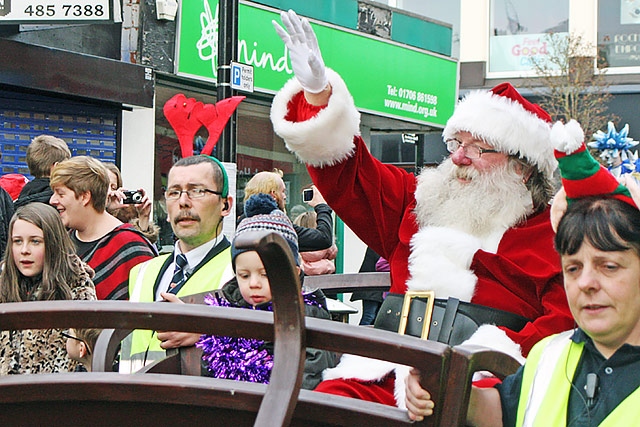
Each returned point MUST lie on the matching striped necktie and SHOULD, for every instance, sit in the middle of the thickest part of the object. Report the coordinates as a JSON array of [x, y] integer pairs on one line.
[[179, 276]]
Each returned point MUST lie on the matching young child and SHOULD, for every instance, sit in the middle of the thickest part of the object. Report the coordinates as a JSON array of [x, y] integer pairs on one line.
[[250, 359], [318, 262], [80, 345], [40, 264], [43, 153]]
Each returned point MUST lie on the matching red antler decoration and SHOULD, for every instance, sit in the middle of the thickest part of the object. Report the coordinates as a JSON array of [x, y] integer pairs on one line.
[[186, 116]]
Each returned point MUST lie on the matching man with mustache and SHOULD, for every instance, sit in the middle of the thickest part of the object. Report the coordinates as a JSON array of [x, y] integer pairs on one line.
[[197, 201], [476, 228]]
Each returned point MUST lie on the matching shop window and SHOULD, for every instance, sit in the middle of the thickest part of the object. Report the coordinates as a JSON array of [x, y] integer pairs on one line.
[[519, 29], [619, 33], [258, 148]]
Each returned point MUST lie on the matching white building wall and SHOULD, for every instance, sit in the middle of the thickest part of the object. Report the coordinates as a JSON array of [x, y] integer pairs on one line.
[[138, 149], [474, 30], [354, 250], [583, 21]]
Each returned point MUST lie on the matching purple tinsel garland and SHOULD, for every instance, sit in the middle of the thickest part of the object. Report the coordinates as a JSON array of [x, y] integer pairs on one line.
[[242, 359]]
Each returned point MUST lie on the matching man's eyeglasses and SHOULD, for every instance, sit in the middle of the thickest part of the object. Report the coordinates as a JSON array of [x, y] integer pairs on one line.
[[470, 151], [192, 193], [66, 334]]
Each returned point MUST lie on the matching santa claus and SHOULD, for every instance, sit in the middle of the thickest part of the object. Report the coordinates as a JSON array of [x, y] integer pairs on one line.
[[476, 228]]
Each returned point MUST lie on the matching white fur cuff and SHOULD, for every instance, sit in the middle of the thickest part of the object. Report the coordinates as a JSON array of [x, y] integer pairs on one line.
[[494, 338], [325, 139], [400, 386], [359, 368]]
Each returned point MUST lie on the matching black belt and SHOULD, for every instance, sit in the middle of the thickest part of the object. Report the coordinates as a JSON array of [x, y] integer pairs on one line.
[[452, 321]]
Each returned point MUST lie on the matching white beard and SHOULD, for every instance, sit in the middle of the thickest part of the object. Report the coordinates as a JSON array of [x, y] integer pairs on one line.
[[457, 219], [491, 203]]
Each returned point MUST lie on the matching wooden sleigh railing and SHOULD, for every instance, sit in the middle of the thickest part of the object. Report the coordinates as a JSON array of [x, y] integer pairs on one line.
[[172, 392]]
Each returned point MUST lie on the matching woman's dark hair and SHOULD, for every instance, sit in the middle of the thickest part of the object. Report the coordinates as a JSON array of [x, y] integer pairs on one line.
[[608, 224]]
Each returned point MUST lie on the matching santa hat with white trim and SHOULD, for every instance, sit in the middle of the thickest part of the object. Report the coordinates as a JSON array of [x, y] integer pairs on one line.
[[582, 175], [506, 120]]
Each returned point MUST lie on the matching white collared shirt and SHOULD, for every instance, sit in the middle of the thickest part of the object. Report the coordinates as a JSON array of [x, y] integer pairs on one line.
[[194, 257]]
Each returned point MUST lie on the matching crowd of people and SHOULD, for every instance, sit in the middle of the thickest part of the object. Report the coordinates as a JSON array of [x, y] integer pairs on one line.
[[557, 288]]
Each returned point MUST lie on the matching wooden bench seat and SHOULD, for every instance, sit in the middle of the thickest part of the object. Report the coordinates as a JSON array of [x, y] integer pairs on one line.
[[167, 396]]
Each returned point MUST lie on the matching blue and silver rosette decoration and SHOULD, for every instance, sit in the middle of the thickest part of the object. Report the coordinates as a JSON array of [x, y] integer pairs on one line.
[[615, 150]]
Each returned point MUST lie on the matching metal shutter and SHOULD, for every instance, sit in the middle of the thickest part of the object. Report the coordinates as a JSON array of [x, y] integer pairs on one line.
[[87, 133]]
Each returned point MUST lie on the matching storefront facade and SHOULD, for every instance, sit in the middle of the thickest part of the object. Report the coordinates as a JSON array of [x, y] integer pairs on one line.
[[499, 38], [385, 71], [85, 100], [392, 99]]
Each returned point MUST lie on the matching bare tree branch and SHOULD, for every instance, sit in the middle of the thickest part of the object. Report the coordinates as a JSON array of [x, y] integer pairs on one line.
[[570, 85]]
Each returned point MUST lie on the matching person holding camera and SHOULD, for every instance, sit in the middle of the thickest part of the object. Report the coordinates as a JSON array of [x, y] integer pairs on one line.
[[309, 239], [132, 206], [80, 185], [319, 262]]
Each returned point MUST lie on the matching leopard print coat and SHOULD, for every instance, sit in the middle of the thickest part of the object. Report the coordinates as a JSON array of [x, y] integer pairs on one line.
[[33, 351]]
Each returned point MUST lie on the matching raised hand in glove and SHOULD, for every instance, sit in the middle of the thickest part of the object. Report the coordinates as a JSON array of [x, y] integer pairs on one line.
[[305, 55]]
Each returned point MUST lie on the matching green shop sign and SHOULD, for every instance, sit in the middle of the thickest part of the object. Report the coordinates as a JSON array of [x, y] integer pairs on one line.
[[384, 78]]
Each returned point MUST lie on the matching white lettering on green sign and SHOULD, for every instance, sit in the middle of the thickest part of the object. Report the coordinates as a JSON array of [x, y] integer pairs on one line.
[[423, 89], [208, 47], [208, 43], [266, 58]]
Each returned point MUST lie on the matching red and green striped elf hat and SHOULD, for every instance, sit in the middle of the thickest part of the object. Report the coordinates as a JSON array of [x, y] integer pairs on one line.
[[582, 175]]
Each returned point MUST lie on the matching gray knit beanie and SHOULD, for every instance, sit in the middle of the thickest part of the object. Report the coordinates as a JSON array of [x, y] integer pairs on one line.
[[262, 214]]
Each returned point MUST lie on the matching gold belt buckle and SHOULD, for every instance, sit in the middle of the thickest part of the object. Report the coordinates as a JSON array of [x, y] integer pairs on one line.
[[406, 305]]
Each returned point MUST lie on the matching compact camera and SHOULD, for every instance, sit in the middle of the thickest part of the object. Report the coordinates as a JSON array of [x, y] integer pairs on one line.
[[133, 197], [307, 195]]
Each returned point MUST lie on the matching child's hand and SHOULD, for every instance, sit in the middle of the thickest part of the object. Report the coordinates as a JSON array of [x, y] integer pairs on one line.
[[418, 400], [169, 339], [169, 297]]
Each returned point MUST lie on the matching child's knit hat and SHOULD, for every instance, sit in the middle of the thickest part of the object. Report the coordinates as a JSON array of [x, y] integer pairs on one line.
[[262, 214], [582, 175]]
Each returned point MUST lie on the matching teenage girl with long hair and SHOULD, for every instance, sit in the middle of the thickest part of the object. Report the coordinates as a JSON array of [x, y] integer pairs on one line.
[[40, 264]]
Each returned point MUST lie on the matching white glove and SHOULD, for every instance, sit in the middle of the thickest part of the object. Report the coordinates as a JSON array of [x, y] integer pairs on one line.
[[305, 55]]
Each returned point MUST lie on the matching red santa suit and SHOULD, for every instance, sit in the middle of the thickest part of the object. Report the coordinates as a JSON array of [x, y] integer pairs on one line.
[[516, 270]]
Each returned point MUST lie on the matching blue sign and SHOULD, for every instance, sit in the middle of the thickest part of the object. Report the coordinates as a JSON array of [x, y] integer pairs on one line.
[[241, 76], [236, 74]]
